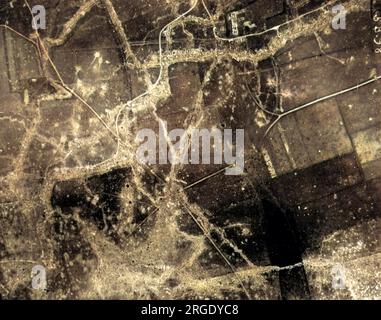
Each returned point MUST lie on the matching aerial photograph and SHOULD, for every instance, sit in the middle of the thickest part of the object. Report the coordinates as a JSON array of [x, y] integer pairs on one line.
[[194, 150]]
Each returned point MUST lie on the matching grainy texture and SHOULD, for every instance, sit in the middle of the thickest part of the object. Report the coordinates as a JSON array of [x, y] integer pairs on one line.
[[75, 200]]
